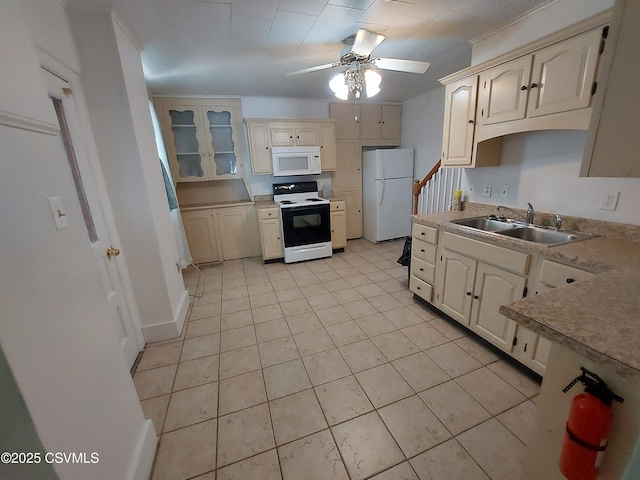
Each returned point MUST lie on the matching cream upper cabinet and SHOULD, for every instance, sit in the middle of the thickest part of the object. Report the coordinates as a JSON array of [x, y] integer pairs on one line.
[[562, 75], [203, 138], [288, 134], [259, 148], [554, 79], [616, 113], [267, 133], [327, 133], [381, 124], [459, 122], [544, 85], [348, 175], [347, 118], [503, 91]]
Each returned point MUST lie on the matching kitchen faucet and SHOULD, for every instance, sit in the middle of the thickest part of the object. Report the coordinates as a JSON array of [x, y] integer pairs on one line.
[[528, 218]]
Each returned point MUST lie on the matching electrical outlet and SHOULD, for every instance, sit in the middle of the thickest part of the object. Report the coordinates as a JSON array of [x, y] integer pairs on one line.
[[470, 189], [609, 200], [504, 191], [487, 191]]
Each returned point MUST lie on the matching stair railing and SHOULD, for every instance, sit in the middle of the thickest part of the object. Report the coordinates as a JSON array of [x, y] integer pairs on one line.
[[435, 192]]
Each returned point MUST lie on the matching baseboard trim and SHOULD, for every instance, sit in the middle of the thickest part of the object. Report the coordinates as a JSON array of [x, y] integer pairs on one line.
[[144, 454], [171, 329]]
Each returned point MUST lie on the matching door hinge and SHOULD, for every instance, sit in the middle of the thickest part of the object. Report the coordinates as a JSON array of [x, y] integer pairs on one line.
[[594, 87], [515, 341], [524, 292]]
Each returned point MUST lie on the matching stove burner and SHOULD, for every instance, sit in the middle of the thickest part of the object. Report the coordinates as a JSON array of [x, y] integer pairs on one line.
[[286, 202], [313, 199]]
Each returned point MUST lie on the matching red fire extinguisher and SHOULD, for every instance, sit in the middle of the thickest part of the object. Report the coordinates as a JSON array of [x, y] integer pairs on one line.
[[587, 428]]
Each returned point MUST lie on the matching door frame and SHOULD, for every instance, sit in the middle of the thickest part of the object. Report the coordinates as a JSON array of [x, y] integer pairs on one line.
[[89, 164]]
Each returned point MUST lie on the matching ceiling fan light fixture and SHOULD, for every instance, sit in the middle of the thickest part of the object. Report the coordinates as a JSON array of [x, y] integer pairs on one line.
[[372, 82], [338, 86]]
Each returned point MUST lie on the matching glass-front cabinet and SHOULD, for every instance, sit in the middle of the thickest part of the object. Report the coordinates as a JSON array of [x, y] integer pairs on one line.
[[204, 138]]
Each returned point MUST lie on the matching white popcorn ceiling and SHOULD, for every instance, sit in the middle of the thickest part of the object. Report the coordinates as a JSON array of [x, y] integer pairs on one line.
[[244, 47]]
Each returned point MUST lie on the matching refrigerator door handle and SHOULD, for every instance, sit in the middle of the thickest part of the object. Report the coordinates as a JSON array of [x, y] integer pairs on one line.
[[380, 191]]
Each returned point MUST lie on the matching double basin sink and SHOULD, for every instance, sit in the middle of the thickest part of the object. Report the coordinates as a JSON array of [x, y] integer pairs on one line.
[[521, 230]]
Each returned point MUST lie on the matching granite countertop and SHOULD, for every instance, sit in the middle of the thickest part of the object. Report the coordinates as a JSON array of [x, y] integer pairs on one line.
[[597, 318], [202, 206]]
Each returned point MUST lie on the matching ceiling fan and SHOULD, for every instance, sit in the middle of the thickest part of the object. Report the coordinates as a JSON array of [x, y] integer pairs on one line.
[[356, 56]]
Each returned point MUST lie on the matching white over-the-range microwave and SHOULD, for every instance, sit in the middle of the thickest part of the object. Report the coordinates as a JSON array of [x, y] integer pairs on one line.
[[288, 161]]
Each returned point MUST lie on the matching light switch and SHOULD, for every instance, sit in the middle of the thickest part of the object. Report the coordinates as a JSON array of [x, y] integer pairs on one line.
[[58, 212]]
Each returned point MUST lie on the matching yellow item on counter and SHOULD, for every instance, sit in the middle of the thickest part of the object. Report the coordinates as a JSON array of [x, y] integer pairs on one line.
[[457, 201]]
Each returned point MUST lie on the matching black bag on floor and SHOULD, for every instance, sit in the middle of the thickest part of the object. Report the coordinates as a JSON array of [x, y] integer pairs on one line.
[[405, 258]]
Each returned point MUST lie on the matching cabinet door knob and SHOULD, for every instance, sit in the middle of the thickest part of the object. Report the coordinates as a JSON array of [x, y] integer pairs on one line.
[[570, 280], [476, 297], [523, 87], [418, 288], [422, 250], [469, 293], [534, 85], [471, 121]]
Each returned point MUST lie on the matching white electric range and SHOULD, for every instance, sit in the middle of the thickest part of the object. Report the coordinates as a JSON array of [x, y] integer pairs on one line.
[[306, 227]]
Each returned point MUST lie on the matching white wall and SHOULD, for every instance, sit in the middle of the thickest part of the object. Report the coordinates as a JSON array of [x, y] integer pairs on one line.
[[422, 122], [553, 17], [543, 168], [117, 100], [55, 325]]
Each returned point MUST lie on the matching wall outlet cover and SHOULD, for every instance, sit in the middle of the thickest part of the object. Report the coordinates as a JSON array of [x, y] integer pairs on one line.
[[504, 191], [609, 200], [487, 191], [470, 189]]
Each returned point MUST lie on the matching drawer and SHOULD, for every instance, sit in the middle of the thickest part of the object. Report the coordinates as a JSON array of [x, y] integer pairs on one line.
[[267, 213], [511, 260], [556, 275], [423, 270], [424, 233], [420, 288], [424, 251], [338, 206]]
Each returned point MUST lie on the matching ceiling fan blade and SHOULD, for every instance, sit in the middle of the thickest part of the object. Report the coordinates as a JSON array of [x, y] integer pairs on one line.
[[365, 42], [410, 66], [313, 69]]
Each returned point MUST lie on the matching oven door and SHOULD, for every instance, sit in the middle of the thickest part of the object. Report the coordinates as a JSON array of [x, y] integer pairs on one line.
[[306, 225]]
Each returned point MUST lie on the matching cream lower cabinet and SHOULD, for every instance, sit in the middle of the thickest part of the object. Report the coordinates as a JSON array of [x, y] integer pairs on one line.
[[473, 279], [216, 234], [238, 234], [528, 347], [200, 227], [271, 233], [338, 225], [423, 259], [494, 287]]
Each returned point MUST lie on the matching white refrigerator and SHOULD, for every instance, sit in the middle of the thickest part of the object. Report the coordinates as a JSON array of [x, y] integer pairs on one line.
[[387, 182]]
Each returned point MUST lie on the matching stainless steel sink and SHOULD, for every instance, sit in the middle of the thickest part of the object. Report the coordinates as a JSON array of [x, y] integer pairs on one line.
[[485, 224], [522, 231], [543, 235]]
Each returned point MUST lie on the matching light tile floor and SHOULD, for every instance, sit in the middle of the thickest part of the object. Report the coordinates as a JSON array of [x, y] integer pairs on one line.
[[328, 369]]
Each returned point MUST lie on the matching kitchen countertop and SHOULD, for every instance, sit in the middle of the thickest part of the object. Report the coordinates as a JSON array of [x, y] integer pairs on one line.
[[597, 318], [202, 206]]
